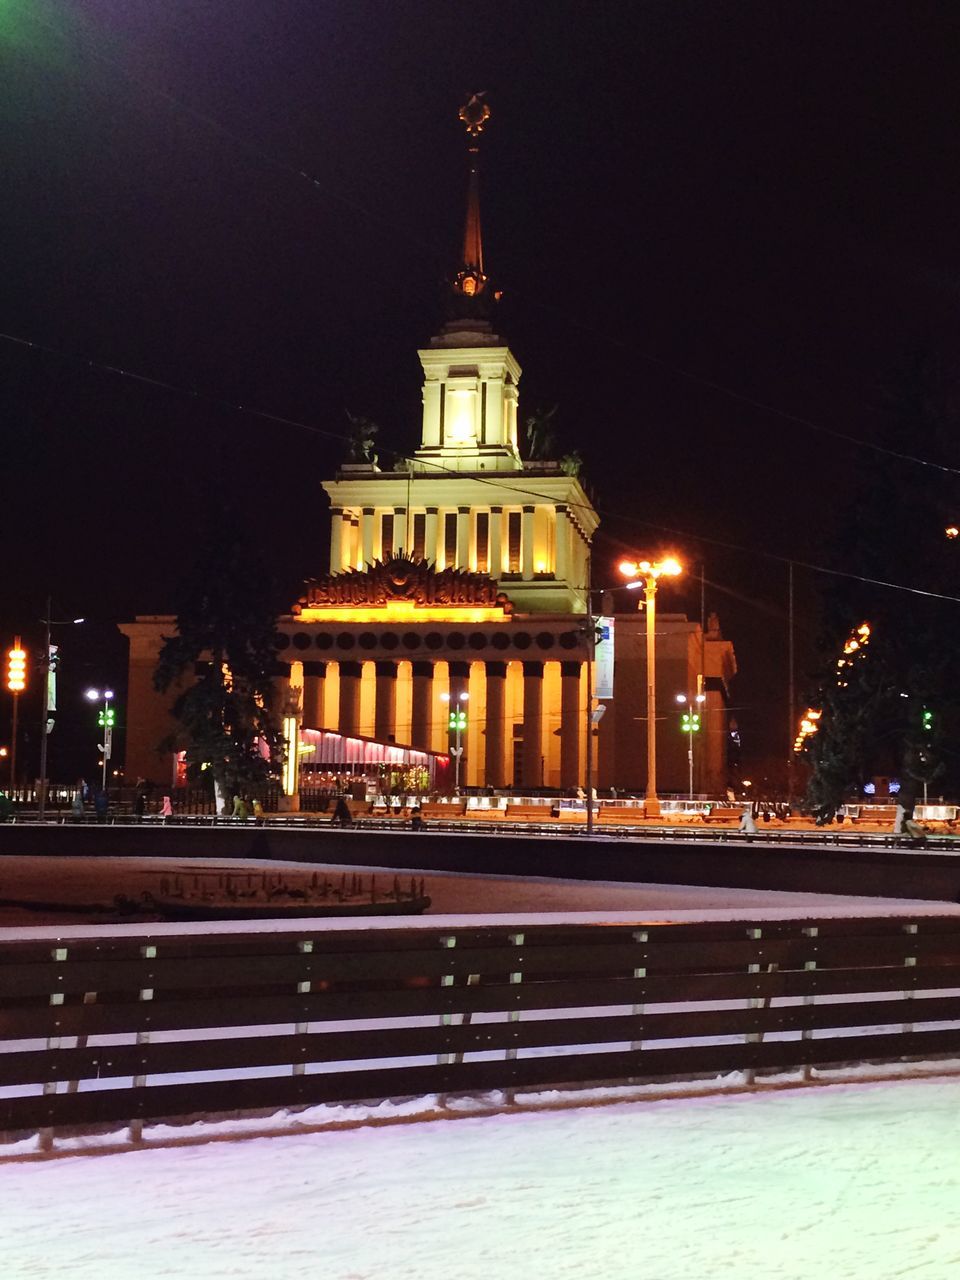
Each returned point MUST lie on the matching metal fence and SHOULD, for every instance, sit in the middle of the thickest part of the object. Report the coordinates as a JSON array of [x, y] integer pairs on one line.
[[139, 1025]]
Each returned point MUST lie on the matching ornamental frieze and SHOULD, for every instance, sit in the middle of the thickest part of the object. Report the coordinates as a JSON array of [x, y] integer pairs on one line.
[[418, 581]]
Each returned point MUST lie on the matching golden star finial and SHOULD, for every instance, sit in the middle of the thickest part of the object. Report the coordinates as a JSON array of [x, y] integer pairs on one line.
[[475, 113]]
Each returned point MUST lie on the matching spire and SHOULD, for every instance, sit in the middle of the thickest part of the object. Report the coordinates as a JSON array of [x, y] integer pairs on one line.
[[469, 294], [474, 114]]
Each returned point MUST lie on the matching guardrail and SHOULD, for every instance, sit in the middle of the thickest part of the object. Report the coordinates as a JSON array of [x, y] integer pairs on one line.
[[829, 835], [178, 1022]]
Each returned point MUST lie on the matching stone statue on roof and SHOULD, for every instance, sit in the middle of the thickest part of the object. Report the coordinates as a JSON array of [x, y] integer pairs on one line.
[[363, 435]]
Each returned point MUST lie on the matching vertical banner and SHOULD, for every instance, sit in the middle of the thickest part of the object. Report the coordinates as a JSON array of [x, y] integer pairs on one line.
[[51, 686], [603, 659]]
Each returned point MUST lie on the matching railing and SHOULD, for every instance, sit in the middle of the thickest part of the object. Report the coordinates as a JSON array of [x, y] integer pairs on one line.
[[839, 837], [170, 1022]]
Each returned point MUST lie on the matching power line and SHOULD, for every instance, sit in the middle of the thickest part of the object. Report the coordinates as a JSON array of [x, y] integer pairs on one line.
[[327, 190], [342, 437]]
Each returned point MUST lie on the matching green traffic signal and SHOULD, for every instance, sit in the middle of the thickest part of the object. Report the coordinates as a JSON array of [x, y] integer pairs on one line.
[[105, 719], [927, 721], [690, 722], [458, 720]]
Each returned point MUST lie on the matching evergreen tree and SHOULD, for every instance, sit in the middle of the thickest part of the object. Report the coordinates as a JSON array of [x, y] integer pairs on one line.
[[223, 657], [894, 531]]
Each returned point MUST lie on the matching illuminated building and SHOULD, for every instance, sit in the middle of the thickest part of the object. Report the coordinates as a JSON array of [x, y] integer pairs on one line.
[[462, 570]]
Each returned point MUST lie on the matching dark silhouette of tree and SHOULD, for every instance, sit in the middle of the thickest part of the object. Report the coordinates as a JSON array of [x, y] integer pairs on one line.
[[894, 530], [223, 656]]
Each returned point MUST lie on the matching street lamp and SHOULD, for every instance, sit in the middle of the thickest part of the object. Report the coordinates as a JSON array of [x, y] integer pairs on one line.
[[457, 724], [16, 683], [690, 725], [646, 573], [105, 720], [48, 667]]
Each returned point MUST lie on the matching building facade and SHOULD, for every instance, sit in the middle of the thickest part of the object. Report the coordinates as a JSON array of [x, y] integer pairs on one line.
[[459, 579]]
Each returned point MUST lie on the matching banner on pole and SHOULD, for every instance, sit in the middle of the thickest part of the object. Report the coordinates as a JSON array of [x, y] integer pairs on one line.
[[603, 659], [52, 677]]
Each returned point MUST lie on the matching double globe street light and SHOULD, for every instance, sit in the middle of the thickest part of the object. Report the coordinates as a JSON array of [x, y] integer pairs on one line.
[[646, 574], [105, 718], [457, 725]]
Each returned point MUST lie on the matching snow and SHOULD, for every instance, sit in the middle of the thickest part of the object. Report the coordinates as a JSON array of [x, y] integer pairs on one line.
[[846, 1182]]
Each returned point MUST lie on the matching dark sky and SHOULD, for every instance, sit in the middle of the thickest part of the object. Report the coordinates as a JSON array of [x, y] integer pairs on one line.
[[762, 196]]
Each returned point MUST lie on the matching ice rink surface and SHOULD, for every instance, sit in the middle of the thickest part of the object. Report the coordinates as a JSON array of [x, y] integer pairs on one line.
[[847, 1182]]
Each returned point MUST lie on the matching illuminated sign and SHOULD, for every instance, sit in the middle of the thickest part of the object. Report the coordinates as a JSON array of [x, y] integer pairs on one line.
[[400, 581]]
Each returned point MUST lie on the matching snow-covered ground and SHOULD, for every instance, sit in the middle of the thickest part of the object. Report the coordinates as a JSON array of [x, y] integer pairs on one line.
[[850, 1182], [69, 880]]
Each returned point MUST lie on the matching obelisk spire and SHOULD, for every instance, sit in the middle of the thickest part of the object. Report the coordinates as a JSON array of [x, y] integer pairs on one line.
[[471, 279], [474, 113]]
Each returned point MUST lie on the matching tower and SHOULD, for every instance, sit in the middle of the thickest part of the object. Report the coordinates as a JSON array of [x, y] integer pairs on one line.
[[467, 500]]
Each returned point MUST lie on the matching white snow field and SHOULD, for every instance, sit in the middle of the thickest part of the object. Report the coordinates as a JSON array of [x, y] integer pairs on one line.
[[847, 1182]]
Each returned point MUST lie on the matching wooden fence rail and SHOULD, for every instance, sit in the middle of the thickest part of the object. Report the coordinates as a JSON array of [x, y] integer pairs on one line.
[[135, 1026]]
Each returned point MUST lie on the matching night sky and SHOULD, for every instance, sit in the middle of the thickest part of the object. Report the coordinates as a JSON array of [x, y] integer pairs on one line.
[[680, 201]]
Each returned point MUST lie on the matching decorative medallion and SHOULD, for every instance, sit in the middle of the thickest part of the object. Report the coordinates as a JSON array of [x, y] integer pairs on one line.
[[417, 581]]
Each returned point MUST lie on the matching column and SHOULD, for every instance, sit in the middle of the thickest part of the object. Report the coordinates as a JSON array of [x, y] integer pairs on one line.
[[532, 756], [570, 724], [385, 706], [422, 709], [367, 534], [430, 536], [314, 674], [496, 542], [493, 763], [463, 537], [460, 683], [336, 540], [400, 531], [353, 555], [349, 721], [561, 543], [526, 544], [289, 707]]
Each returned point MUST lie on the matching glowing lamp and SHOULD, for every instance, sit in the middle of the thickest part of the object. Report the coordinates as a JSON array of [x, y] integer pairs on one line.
[[16, 669]]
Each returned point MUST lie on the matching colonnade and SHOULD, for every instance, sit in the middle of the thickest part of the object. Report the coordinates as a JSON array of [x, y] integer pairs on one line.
[[525, 719], [526, 542]]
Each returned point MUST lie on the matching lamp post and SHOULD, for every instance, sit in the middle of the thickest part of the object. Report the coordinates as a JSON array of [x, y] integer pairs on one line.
[[457, 724], [690, 725], [648, 572], [47, 665], [16, 683], [105, 719]]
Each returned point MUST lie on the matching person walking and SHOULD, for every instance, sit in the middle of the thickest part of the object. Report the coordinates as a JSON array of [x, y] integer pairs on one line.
[[166, 808]]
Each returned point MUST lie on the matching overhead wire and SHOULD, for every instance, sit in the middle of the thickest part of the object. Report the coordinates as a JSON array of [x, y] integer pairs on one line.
[[327, 190], [344, 438]]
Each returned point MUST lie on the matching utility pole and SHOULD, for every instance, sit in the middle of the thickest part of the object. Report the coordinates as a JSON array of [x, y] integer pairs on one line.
[[44, 712], [791, 696], [591, 647]]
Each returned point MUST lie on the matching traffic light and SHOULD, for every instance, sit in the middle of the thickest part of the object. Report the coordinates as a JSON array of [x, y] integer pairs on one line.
[[458, 720], [16, 668], [926, 721], [690, 722], [105, 719]]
